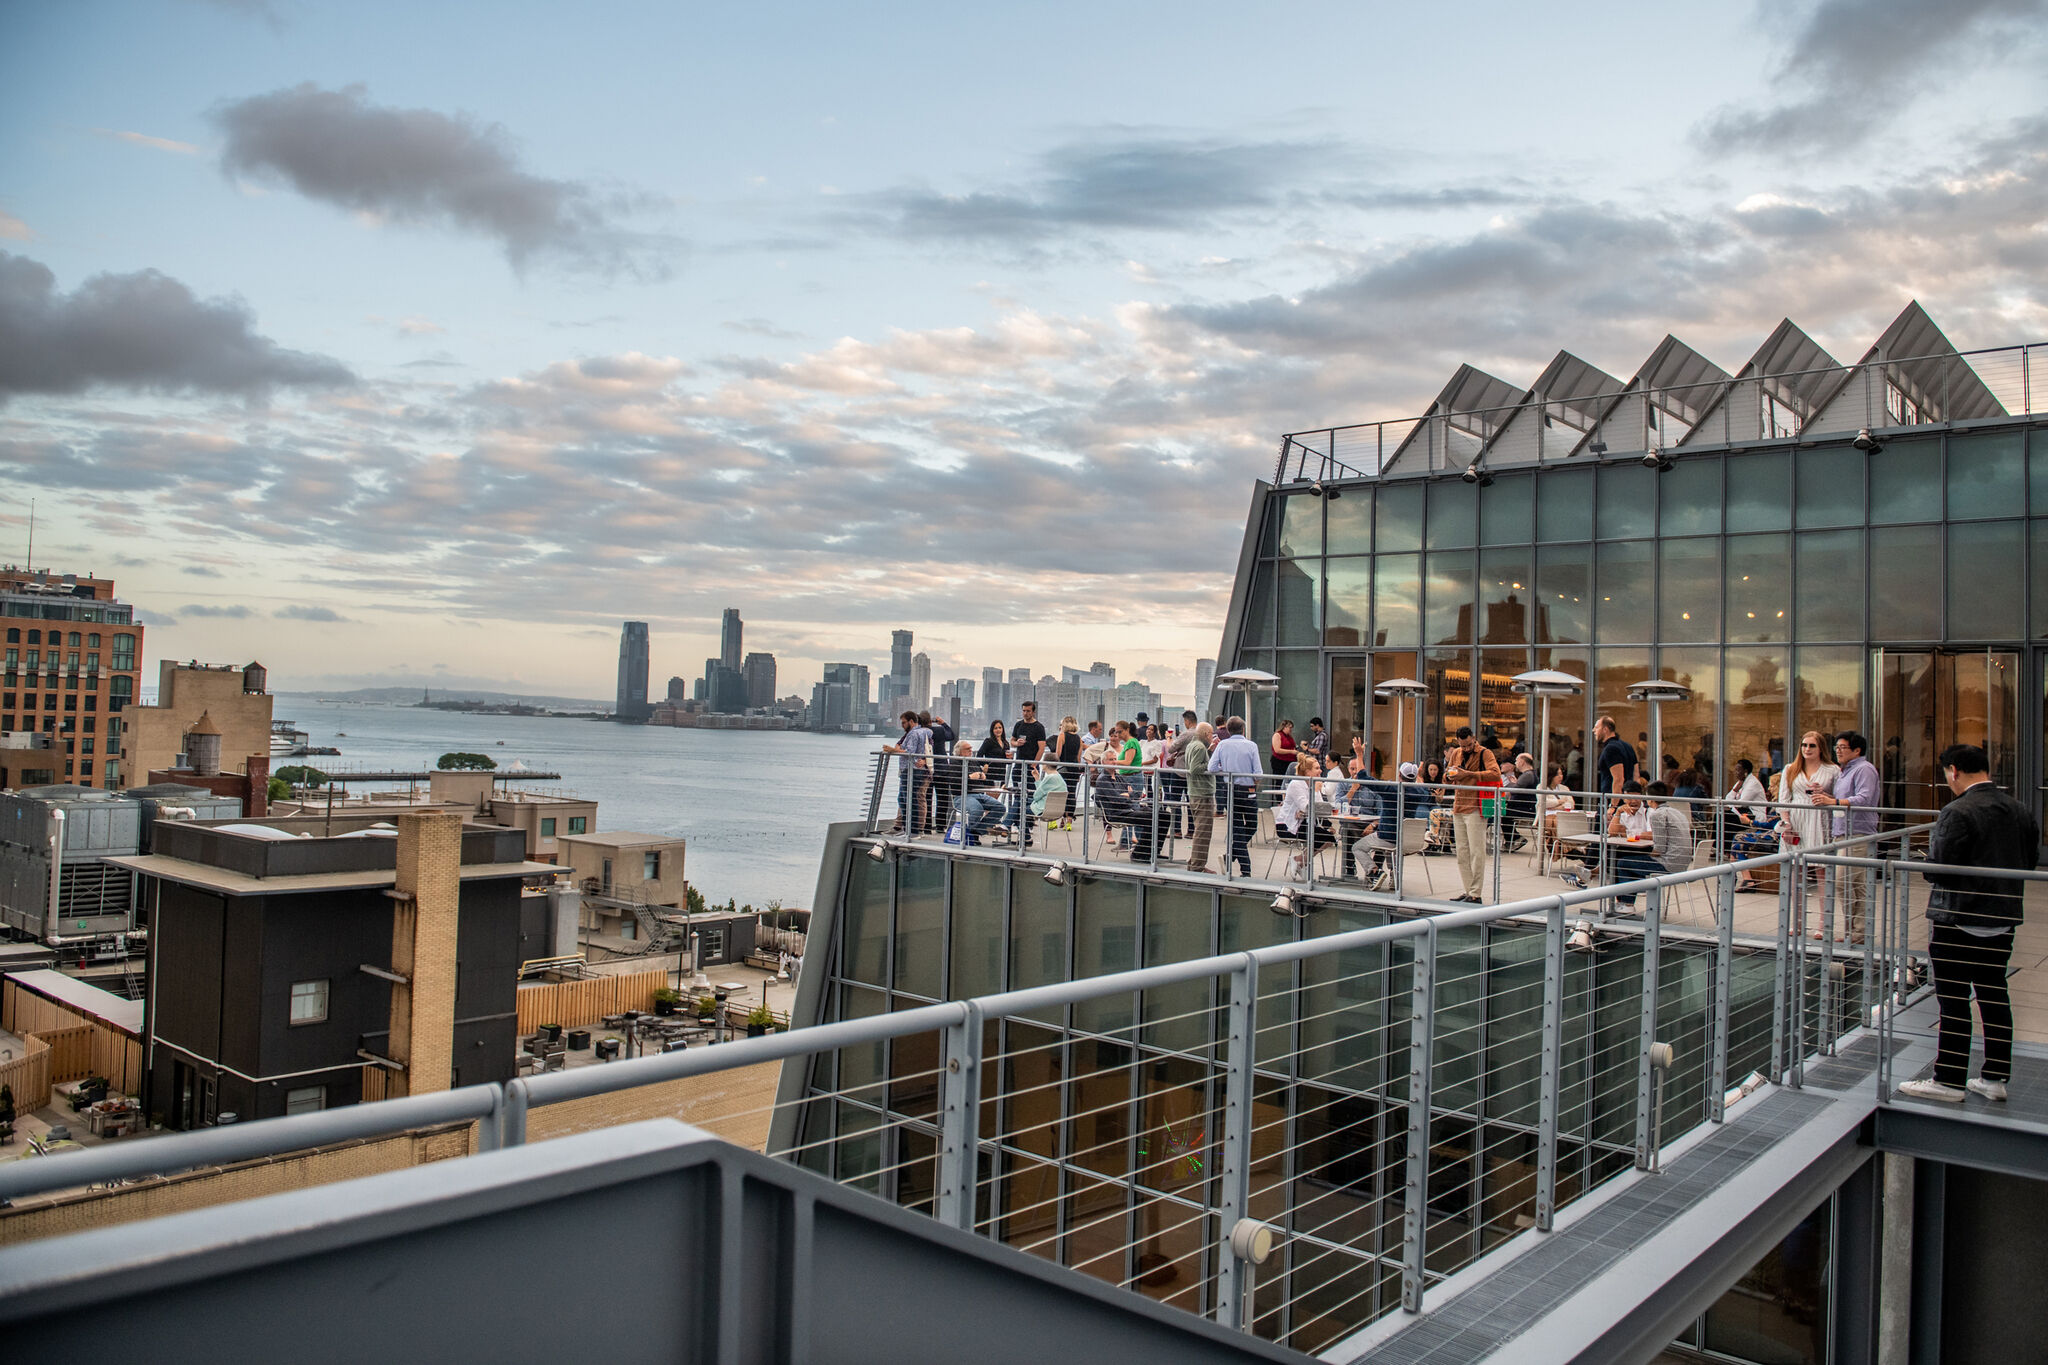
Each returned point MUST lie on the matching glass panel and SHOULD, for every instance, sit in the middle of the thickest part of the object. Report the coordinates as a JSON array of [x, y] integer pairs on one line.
[[1348, 602], [1689, 725], [1760, 491], [1449, 599], [2037, 491], [920, 914], [1564, 588], [1831, 487], [1690, 586], [1398, 517], [978, 892], [1759, 588], [1105, 940], [1396, 593], [1350, 698], [1905, 582], [2038, 562], [1779, 1311], [1568, 715], [1301, 525], [1983, 581], [1619, 670], [867, 923], [1300, 688], [1628, 501], [1689, 498], [1038, 934], [1247, 922], [1905, 482], [1448, 675], [1258, 608], [1504, 593], [1755, 681], [1347, 522], [1628, 593], [1907, 729], [1453, 514], [1299, 622], [1502, 710], [1564, 504], [1830, 690], [1343, 999], [1829, 601], [1984, 475], [1177, 920], [1505, 509], [1394, 725], [1269, 534]]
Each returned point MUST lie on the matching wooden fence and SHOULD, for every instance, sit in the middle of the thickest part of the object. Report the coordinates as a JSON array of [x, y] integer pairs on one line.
[[28, 1075], [572, 1004], [98, 1049]]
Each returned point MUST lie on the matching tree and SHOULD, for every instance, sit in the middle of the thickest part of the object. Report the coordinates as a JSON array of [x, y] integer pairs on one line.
[[300, 775], [466, 763], [280, 790], [694, 900]]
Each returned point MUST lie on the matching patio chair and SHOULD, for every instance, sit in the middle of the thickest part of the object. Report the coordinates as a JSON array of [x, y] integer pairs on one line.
[[1414, 837]]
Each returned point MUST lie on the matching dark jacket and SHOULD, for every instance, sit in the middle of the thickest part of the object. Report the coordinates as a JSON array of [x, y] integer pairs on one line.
[[1983, 827]]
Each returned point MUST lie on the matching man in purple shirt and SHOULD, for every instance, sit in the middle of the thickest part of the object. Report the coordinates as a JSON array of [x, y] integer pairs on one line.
[[1854, 797]]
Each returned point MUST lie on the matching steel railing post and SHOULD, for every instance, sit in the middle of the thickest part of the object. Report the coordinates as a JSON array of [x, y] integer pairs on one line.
[[1645, 1077], [1724, 993], [1087, 816], [960, 1121], [512, 1119], [875, 791], [490, 1129], [1824, 1017], [1157, 787], [1234, 1286], [1228, 783], [1421, 1058], [1795, 1061], [1400, 825], [1551, 1078]]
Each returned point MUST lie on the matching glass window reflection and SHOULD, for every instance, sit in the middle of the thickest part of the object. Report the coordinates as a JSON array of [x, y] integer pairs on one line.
[[1983, 581], [1905, 482], [1348, 522], [1905, 583], [1627, 589], [1757, 684], [1449, 598], [1828, 601], [1396, 599], [1759, 588], [1347, 603], [1301, 525], [1564, 594], [1453, 514], [1984, 475], [1689, 498], [1299, 622], [1690, 589], [1760, 492], [1564, 504], [1397, 517], [1505, 588], [1831, 487], [1506, 510], [1829, 694], [1628, 501]]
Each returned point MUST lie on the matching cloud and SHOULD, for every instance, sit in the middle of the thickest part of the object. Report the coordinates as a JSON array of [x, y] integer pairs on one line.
[[12, 229], [1846, 59], [139, 331], [760, 327], [200, 571], [236, 612], [295, 612], [419, 327], [161, 144], [421, 167]]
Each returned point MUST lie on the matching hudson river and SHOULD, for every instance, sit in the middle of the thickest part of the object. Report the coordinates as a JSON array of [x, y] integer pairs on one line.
[[752, 804]]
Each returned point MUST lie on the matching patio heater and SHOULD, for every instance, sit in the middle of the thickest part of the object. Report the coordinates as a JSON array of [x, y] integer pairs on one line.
[[1655, 693], [1545, 683], [1247, 681], [1400, 691]]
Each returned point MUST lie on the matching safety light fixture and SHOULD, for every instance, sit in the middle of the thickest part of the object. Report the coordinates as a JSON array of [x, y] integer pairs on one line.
[[879, 852], [1474, 474], [1867, 443], [1057, 874]]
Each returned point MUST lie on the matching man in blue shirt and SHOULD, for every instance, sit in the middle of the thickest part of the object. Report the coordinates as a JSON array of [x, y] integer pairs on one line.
[[1236, 760], [1854, 797]]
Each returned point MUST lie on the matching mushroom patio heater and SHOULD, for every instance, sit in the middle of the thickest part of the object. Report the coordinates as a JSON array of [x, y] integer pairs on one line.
[[1545, 683], [1247, 681], [1655, 693], [1401, 691]]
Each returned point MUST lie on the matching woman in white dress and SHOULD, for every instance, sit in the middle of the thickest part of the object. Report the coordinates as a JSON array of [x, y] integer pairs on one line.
[[1810, 772]]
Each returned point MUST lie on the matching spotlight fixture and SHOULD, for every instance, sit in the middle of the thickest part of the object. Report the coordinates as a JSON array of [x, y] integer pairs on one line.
[[1283, 904], [1057, 874], [1332, 494], [1597, 448], [1474, 474], [1867, 443], [879, 852], [1582, 936], [1316, 489], [1657, 460]]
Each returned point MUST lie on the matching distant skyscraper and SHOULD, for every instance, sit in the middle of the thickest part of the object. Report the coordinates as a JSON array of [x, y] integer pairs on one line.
[[729, 631], [899, 656], [632, 698], [1102, 669], [1205, 685], [678, 690], [759, 671], [854, 677], [920, 681], [1098, 677]]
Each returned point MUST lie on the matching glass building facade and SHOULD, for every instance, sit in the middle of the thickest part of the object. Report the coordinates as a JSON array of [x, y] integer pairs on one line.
[[1800, 586]]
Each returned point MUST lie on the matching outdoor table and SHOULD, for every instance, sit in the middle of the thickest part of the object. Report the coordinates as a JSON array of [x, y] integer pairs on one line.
[[1602, 844]]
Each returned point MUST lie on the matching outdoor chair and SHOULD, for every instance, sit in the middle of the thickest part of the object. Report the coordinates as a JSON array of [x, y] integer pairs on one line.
[[1414, 838]]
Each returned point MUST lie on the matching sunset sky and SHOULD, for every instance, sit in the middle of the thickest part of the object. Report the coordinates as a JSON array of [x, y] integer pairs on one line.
[[403, 343]]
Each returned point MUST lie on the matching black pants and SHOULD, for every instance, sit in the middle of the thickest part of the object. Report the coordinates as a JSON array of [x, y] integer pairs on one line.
[[1244, 823], [1966, 965]]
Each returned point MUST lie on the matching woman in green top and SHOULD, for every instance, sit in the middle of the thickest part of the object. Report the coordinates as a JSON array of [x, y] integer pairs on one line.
[[1130, 754]]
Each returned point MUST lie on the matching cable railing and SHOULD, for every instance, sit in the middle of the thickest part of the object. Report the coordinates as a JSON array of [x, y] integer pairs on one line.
[[1897, 393], [1385, 1105]]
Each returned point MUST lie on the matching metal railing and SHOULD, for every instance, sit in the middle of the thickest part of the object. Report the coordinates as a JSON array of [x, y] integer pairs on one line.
[[1125, 1124], [1904, 392]]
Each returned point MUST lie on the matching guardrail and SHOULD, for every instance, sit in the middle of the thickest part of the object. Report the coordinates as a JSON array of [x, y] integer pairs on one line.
[[1158, 1083]]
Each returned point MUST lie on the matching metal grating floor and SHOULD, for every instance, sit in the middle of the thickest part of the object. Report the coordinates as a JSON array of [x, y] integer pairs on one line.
[[1851, 1066], [1495, 1311]]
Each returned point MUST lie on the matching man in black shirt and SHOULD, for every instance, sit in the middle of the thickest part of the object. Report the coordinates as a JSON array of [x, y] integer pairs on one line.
[[1028, 735], [1617, 762], [1971, 924]]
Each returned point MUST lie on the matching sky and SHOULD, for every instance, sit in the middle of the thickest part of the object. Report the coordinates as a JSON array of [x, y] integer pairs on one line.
[[404, 344]]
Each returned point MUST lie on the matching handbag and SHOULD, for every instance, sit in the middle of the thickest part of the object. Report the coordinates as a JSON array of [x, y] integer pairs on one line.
[[956, 833]]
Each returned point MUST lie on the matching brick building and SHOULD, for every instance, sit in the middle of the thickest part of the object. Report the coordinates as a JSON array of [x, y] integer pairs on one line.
[[236, 701], [71, 667]]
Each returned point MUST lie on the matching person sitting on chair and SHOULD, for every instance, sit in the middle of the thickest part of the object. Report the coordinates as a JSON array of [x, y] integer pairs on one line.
[[1670, 835], [1291, 818]]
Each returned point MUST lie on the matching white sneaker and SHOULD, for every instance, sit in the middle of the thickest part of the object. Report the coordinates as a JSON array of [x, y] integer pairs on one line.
[[1990, 1090], [1931, 1089]]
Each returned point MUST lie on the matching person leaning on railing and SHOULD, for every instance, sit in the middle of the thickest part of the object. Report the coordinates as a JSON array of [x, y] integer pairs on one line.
[[1238, 759], [1971, 924], [1854, 798]]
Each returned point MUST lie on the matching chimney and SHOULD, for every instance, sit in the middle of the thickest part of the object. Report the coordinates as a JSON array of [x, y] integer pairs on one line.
[[258, 804], [423, 922], [202, 746]]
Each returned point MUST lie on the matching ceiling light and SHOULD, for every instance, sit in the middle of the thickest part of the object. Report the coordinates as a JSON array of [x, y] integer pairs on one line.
[[1867, 443]]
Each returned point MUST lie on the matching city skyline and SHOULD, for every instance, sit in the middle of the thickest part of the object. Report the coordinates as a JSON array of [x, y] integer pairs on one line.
[[318, 342]]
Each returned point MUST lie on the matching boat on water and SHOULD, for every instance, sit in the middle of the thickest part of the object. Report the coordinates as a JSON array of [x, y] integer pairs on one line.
[[289, 741]]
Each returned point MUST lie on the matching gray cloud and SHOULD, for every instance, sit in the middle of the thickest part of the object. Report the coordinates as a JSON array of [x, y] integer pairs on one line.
[[139, 331], [237, 612], [295, 612], [1847, 60], [418, 166]]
